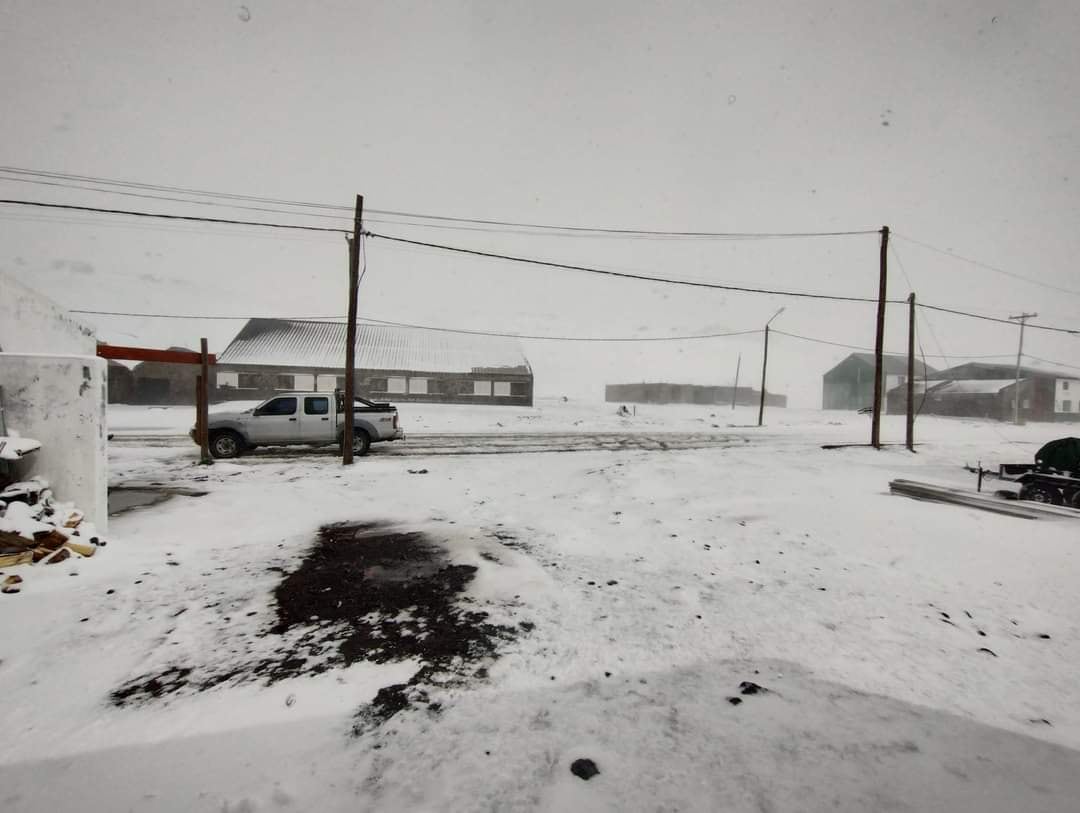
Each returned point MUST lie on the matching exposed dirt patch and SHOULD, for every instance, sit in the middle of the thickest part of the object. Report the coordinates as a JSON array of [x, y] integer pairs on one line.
[[364, 592]]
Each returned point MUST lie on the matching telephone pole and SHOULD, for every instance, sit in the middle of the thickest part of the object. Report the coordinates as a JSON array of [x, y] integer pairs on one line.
[[735, 389], [910, 434], [764, 368], [203, 404], [879, 340], [350, 333], [1022, 318]]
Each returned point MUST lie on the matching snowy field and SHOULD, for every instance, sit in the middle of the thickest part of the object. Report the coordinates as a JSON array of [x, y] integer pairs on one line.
[[913, 656]]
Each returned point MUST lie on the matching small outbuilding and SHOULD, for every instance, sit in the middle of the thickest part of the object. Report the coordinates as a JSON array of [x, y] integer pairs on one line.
[[667, 393], [850, 384], [157, 382]]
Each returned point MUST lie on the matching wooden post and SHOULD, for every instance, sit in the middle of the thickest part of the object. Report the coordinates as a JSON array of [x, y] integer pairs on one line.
[[198, 410], [879, 340], [910, 435], [735, 390], [764, 367], [350, 332], [204, 405]]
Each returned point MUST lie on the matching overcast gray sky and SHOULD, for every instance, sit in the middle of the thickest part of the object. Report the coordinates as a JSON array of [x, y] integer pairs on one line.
[[955, 123]]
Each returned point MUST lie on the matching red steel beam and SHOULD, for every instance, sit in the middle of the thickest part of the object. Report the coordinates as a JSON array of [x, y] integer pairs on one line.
[[115, 351]]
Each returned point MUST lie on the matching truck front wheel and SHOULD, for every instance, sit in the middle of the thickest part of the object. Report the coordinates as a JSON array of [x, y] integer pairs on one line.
[[225, 444]]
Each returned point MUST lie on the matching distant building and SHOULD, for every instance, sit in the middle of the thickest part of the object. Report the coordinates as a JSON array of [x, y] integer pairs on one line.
[[1067, 399], [984, 390], [121, 383], [850, 384], [392, 363], [156, 382], [663, 393]]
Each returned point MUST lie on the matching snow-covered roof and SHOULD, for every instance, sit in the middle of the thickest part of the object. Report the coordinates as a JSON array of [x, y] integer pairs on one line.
[[919, 386], [891, 363], [974, 386], [296, 343], [1030, 369]]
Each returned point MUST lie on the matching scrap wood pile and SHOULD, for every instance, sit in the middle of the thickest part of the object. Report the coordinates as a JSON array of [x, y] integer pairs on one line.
[[35, 529]]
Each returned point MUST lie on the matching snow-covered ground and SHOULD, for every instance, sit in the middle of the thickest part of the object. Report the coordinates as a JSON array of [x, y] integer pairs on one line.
[[917, 656]]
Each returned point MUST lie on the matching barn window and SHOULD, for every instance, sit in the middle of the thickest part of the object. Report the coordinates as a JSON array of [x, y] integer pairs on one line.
[[1065, 386], [519, 388], [1066, 406], [396, 385], [418, 386], [482, 388], [502, 389], [376, 385], [247, 381], [284, 382], [228, 380]]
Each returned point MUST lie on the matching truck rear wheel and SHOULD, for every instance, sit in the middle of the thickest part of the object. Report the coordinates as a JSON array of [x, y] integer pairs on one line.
[[361, 443], [1037, 492], [225, 444]]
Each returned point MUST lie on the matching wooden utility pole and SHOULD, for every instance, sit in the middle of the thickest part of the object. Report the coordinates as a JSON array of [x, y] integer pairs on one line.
[[203, 405], [350, 332], [764, 367], [735, 390], [1022, 318], [879, 341], [909, 438]]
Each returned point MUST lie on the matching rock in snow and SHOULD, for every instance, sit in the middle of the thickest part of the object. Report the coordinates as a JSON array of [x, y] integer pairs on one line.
[[584, 769]]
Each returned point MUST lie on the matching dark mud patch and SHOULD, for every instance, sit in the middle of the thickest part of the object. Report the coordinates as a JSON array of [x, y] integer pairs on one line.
[[363, 592]]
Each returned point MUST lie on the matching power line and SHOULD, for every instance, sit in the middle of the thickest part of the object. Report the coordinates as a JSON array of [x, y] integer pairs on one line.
[[955, 312], [698, 284], [509, 230], [525, 260], [376, 322], [620, 274], [163, 188], [391, 323], [171, 199], [162, 216], [871, 349], [446, 219], [989, 267], [1049, 361], [631, 232]]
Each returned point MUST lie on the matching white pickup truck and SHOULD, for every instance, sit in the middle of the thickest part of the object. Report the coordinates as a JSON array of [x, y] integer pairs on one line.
[[301, 419]]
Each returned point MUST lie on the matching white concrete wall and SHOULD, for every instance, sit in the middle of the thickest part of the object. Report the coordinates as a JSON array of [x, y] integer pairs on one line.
[[1067, 389], [60, 401], [32, 323]]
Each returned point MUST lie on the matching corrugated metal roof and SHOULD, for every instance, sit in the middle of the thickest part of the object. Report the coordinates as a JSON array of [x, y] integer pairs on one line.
[[294, 343]]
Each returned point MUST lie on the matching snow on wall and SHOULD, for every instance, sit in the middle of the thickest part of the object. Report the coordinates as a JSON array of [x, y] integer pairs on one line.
[[60, 401], [32, 323]]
